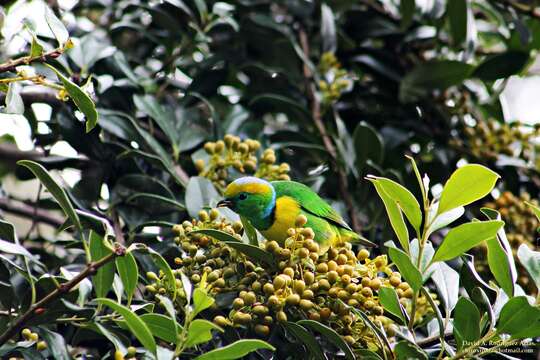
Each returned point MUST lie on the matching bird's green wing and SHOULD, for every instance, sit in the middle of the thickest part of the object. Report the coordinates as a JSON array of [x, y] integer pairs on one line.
[[309, 201]]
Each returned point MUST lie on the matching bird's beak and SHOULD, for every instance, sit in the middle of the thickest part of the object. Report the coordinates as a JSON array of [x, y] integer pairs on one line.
[[225, 203]]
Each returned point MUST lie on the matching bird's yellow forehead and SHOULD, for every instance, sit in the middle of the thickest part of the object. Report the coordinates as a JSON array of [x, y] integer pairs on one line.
[[250, 187]]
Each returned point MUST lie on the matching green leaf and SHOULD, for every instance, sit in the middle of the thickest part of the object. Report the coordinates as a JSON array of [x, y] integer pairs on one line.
[[129, 273], [445, 219], [35, 49], [394, 215], [464, 237], [307, 338], [466, 185], [250, 232], [446, 280], [405, 350], [254, 252], [368, 145], [535, 209], [330, 335], [56, 344], [405, 200], [57, 27], [216, 234], [201, 301], [14, 101], [104, 276], [431, 75], [167, 303], [390, 302], [236, 350], [199, 193], [160, 326], [135, 324], [531, 262], [80, 98], [56, 191], [11, 248], [501, 262], [163, 265], [519, 319], [405, 266], [502, 65], [328, 29], [457, 12], [407, 8], [200, 331], [466, 320], [165, 119], [171, 202]]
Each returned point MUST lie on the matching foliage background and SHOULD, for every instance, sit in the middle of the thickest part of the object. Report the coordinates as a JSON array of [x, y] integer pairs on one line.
[[418, 78]]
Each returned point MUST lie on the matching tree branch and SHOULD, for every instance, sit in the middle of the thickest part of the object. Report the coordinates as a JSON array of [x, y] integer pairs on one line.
[[10, 65], [40, 307], [327, 141], [31, 97], [37, 215]]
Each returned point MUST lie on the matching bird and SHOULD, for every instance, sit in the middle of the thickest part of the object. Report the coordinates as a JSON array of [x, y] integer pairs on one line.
[[273, 207]]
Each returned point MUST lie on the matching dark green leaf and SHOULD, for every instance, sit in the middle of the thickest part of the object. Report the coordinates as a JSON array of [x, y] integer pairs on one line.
[[56, 191], [236, 350], [104, 276], [80, 98], [407, 8], [330, 335], [307, 339], [134, 323], [164, 266], [466, 320], [457, 12], [200, 192], [390, 302], [368, 145], [55, 343], [160, 326], [501, 65], [254, 252], [519, 319], [432, 75], [129, 273], [406, 350]]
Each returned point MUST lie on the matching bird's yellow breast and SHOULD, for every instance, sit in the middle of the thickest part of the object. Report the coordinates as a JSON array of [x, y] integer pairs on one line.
[[287, 209]]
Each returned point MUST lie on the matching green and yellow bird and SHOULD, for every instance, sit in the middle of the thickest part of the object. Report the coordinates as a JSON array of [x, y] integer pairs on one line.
[[272, 208]]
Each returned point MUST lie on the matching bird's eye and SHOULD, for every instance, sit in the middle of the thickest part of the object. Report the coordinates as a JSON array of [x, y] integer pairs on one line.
[[242, 196]]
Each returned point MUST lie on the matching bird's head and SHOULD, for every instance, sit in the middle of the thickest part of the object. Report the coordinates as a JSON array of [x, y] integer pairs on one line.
[[251, 197]]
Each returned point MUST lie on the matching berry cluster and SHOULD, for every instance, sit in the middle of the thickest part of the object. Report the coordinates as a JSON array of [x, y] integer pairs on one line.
[[335, 80], [489, 139], [306, 282], [233, 153]]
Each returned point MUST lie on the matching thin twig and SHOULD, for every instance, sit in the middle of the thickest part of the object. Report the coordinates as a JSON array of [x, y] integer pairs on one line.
[[41, 306], [22, 209], [327, 141], [10, 65]]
